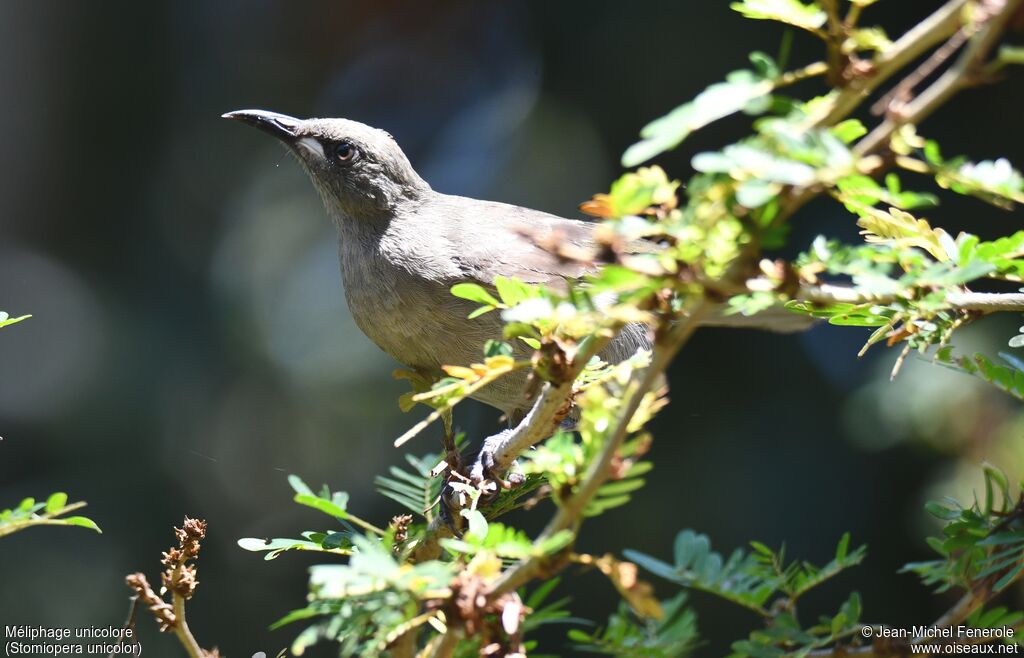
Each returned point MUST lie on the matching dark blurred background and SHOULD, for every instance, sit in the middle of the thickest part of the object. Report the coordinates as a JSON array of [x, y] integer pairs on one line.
[[190, 344]]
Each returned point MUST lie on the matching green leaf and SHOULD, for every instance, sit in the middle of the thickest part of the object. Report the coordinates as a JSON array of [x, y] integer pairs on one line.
[[480, 311], [474, 293], [849, 131], [512, 291], [740, 90], [6, 320], [632, 194], [1011, 55], [417, 489], [756, 193], [940, 511], [1010, 576], [81, 522], [843, 547], [532, 343], [334, 507], [299, 486], [56, 501], [497, 348], [477, 523], [792, 12], [274, 547]]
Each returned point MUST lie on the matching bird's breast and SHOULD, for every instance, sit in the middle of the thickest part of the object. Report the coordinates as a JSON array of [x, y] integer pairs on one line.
[[403, 303]]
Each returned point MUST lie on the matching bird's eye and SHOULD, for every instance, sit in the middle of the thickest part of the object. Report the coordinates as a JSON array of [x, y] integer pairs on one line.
[[345, 152]]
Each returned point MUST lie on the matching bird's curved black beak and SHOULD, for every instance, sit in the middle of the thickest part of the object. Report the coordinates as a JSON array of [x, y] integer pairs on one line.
[[281, 126]]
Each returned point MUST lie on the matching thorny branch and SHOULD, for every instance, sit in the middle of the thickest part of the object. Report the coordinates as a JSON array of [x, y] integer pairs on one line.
[[502, 449], [570, 512], [982, 302], [989, 27], [977, 595], [950, 28], [938, 27], [543, 418], [943, 24], [179, 578]]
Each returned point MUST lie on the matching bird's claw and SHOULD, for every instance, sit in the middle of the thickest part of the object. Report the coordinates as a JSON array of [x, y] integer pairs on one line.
[[485, 470], [484, 475], [448, 509]]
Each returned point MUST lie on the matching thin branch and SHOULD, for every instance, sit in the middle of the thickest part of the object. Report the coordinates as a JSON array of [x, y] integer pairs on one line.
[[935, 29], [812, 70], [48, 518], [834, 42], [961, 610], [536, 426], [570, 512], [446, 647], [129, 624], [181, 629], [950, 82], [543, 418], [902, 92], [180, 578], [983, 302], [938, 27]]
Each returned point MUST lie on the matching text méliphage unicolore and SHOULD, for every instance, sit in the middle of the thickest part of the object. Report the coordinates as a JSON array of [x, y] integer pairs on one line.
[[48, 640]]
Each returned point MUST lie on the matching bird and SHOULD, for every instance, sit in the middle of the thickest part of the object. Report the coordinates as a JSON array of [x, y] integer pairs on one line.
[[403, 246]]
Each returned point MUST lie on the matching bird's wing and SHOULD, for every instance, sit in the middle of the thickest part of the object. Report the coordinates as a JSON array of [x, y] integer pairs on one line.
[[504, 241], [496, 233]]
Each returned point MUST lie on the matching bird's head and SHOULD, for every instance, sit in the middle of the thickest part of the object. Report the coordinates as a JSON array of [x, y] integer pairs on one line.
[[358, 170]]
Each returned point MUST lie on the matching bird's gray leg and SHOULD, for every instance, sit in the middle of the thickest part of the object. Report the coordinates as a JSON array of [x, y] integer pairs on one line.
[[485, 467], [500, 450], [448, 506]]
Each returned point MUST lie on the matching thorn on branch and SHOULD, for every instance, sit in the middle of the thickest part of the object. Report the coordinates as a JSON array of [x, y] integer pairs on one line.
[[160, 609], [178, 578]]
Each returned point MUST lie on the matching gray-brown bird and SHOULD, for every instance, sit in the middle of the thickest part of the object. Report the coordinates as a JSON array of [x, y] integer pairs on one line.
[[403, 246]]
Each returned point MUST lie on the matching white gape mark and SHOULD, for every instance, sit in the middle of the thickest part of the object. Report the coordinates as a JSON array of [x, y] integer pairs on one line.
[[312, 145]]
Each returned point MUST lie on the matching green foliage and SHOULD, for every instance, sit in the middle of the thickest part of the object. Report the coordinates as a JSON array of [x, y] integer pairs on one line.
[[52, 511], [634, 194], [792, 12], [1009, 378], [751, 580], [982, 545], [785, 636], [744, 90], [998, 617], [763, 582], [6, 319], [904, 274], [416, 490], [510, 292], [504, 541], [30, 513], [367, 604], [629, 636], [670, 253], [563, 458], [334, 505], [994, 181]]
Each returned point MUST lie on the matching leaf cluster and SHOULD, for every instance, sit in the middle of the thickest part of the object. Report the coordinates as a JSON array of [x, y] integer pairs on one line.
[[31, 513]]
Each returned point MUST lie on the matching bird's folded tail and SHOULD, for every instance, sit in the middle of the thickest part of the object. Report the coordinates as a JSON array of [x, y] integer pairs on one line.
[[774, 318]]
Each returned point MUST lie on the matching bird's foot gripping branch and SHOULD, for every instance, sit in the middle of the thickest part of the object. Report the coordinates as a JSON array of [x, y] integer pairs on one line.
[[668, 265]]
